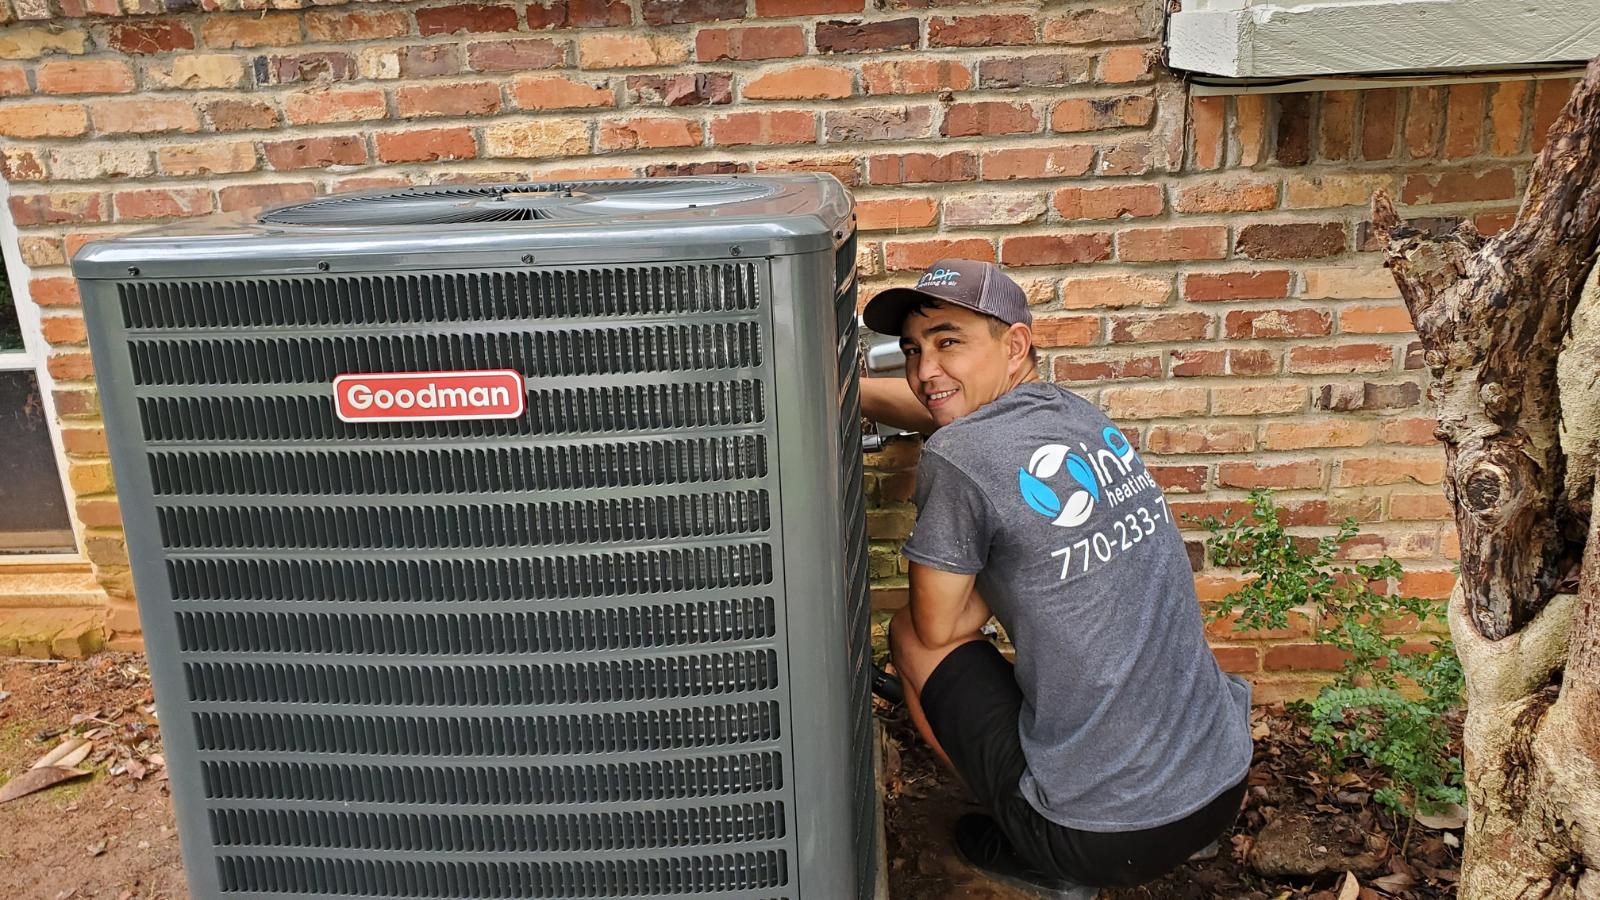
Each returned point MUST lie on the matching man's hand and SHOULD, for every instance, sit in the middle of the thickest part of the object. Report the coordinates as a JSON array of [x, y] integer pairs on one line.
[[945, 607], [890, 401]]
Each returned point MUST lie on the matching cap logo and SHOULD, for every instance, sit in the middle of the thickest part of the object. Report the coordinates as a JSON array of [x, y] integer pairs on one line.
[[939, 278]]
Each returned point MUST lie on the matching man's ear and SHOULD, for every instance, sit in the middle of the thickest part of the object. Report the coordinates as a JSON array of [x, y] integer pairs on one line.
[[1018, 341]]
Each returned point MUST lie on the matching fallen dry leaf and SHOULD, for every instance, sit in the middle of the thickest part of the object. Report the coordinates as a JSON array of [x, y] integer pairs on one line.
[[98, 847], [1351, 889], [37, 780], [59, 752], [1449, 818], [71, 760]]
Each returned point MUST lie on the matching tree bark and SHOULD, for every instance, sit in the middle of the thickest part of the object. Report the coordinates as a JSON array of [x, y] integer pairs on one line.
[[1495, 317]]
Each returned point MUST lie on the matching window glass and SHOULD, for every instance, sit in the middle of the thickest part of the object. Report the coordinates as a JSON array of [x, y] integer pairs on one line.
[[33, 513], [10, 330]]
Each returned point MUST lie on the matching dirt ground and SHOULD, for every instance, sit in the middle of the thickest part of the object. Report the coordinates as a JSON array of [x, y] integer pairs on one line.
[[112, 835]]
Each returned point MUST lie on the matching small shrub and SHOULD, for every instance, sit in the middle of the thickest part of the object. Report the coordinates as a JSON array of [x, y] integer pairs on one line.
[[1385, 705]]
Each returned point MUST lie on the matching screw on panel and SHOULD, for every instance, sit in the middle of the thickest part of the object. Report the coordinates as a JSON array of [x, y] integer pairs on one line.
[[133, 270], [527, 257], [736, 250], [323, 266]]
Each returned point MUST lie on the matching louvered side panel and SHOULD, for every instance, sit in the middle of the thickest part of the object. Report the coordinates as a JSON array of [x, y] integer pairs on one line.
[[543, 656]]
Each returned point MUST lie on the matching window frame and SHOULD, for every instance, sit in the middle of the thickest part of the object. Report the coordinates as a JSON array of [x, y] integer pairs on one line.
[[32, 358]]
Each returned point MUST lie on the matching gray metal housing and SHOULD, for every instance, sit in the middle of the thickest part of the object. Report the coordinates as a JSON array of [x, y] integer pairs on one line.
[[616, 647]]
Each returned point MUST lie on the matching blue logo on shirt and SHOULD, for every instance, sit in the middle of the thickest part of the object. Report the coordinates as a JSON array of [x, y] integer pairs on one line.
[[1087, 473]]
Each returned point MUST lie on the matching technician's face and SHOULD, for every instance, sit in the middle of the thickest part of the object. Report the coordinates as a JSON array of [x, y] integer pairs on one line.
[[954, 362]]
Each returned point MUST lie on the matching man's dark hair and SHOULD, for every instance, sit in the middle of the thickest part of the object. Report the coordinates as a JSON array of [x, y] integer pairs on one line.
[[997, 328]]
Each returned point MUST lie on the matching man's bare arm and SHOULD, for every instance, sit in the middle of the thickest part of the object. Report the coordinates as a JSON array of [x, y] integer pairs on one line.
[[945, 606], [890, 401]]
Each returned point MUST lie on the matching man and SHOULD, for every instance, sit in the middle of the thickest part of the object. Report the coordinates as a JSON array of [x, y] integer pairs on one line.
[[1115, 748]]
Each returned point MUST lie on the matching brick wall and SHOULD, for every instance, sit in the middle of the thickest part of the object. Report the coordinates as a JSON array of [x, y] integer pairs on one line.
[[1201, 266]]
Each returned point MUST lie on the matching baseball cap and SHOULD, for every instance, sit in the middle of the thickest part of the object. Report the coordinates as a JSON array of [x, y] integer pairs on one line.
[[978, 286]]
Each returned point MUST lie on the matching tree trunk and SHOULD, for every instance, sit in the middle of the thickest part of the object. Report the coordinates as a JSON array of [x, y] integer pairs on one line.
[[1513, 359]]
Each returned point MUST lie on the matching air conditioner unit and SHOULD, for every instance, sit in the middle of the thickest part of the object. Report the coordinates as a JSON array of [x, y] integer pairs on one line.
[[502, 541]]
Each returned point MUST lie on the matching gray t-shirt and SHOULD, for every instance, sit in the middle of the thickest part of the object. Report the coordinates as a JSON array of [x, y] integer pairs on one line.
[[1127, 722]]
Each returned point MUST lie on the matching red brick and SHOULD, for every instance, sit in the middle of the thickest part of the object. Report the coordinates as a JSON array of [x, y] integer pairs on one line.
[[1227, 194], [1505, 117], [1303, 657], [1119, 201], [1035, 70], [680, 90], [993, 209], [1024, 163], [1101, 113], [683, 12], [1242, 660], [915, 76], [315, 152], [1204, 287], [1179, 479], [1343, 358], [1102, 23], [144, 116], [318, 67], [76, 403], [579, 14], [759, 42], [1115, 291], [784, 127], [1339, 432], [82, 442], [1153, 402], [902, 256], [896, 214], [161, 204], [63, 330], [54, 292], [1294, 128], [1411, 432], [515, 56], [28, 210], [1199, 363], [1211, 437], [426, 146], [1297, 241], [1380, 117], [1463, 130], [1433, 585], [1460, 187], [1227, 628], [867, 37], [1424, 115], [1259, 324], [921, 168], [1420, 507], [647, 132], [44, 120], [85, 76], [77, 367], [788, 8], [622, 51], [1054, 249], [1075, 368], [1549, 98], [846, 168], [1339, 124], [1169, 244], [1247, 362], [989, 117], [253, 196], [801, 82], [1389, 469], [981, 31], [1065, 331], [1163, 327], [1123, 65], [13, 80], [241, 115], [149, 36], [1128, 158], [420, 101], [224, 32], [1374, 320], [322, 106], [1207, 116], [337, 27], [1298, 475], [471, 18], [560, 92]]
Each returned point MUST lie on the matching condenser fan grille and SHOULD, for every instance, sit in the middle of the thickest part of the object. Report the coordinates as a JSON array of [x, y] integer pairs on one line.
[[470, 204]]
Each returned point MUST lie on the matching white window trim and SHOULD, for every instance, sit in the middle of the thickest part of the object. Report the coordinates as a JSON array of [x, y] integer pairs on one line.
[[1265, 39], [33, 355]]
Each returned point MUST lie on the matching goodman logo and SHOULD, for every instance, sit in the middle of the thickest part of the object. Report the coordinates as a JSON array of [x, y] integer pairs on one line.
[[429, 396]]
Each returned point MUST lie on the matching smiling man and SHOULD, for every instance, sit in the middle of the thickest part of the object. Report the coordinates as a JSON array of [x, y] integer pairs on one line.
[[1114, 748]]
